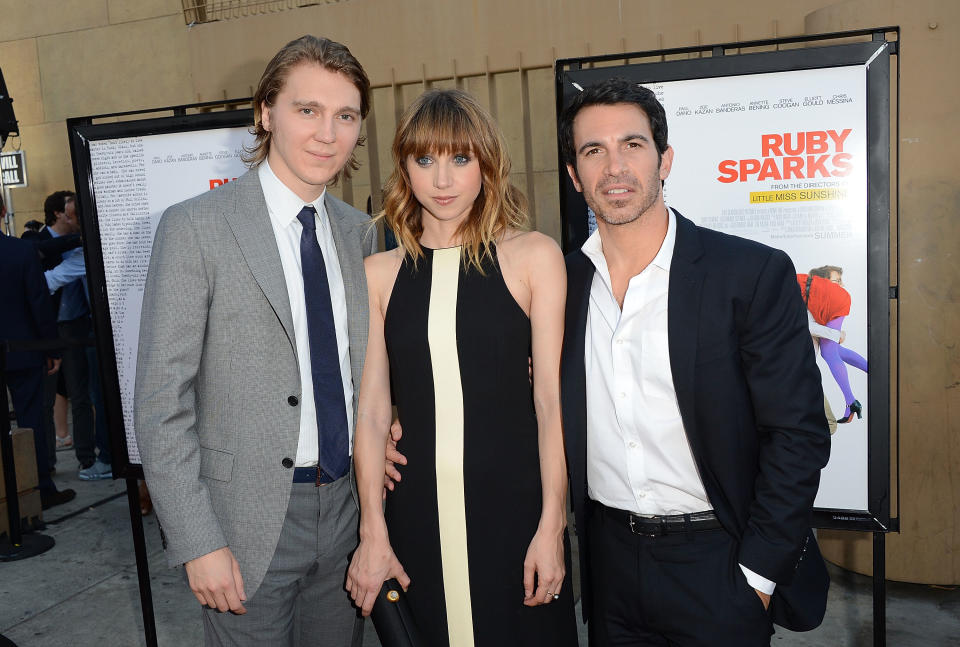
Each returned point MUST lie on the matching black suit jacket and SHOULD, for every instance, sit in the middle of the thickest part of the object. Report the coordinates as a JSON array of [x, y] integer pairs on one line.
[[51, 252], [751, 401], [24, 302]]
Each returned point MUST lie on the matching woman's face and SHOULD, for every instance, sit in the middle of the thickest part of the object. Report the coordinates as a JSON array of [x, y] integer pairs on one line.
[[836, 277], [445, 185]]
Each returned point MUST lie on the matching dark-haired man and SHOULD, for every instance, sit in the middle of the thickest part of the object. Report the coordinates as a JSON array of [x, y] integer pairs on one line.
[[73, 324], [252, 338], [693, 411]]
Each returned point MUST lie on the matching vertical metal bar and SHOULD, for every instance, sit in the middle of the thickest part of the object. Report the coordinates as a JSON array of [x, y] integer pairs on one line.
[[373, 160], [491, 87], [457, 79], [373, 156], [527, 140], [879, 590], [397, 97], [143, 569]]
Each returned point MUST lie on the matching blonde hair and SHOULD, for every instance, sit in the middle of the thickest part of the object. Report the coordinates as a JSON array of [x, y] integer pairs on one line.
[[445, 122], [326, 53]]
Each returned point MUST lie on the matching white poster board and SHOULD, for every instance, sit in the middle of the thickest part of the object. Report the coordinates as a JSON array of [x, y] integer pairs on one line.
[[134, 180], [780, 158]]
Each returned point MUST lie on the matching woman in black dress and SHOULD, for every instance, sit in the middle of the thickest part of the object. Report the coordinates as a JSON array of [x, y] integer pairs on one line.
[[477, 527]]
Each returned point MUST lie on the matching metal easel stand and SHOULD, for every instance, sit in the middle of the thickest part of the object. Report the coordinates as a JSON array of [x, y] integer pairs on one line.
[[879, 589]]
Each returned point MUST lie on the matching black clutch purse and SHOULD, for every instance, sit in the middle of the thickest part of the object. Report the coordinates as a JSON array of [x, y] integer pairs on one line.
[[392, 618]]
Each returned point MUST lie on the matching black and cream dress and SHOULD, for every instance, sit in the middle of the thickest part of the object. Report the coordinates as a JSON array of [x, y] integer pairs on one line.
[[469, 503]]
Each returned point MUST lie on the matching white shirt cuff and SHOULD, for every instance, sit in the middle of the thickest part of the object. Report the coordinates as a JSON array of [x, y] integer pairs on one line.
[[759, 582]]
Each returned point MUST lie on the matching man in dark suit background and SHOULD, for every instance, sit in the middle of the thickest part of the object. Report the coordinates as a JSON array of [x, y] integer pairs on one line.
[[27, 316], [694, 440], [72, 309]]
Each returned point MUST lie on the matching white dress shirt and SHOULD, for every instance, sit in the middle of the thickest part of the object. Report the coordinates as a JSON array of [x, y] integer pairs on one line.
[[638, 455], [283, 206]]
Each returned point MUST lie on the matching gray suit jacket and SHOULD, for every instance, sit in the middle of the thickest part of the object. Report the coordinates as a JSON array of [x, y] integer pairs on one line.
[[217, 365]]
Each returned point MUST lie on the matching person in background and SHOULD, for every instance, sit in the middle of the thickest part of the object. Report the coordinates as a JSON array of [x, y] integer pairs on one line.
[[28, 316], [75, 327], [30, 228]]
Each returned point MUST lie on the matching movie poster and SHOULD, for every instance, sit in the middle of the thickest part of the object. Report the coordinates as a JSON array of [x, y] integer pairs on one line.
[[781, 158], [134, 180]]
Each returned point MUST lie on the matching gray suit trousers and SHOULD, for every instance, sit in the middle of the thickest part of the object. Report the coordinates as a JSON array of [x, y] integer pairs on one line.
[[301, 601]]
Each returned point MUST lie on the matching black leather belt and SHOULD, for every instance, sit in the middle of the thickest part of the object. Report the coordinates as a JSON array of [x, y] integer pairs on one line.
[[656, 525], [313, 475]]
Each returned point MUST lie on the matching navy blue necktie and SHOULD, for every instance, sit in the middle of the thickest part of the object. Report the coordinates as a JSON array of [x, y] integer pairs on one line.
[[324, 356]]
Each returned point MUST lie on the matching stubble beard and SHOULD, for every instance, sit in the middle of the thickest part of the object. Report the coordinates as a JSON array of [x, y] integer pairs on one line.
[[648, 194]]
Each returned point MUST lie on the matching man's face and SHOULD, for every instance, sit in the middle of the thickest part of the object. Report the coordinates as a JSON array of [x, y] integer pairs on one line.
[[67, 220], [314, 125], [617, 166]]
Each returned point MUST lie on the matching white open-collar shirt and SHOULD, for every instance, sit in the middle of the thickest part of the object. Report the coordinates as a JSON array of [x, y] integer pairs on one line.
[[283, 205], [638, 455]]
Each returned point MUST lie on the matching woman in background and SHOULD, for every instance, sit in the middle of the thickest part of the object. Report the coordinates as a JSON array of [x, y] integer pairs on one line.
[[478, 523]]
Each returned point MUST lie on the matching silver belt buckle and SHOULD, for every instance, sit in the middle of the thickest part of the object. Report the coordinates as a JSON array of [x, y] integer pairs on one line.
[[633, 529]]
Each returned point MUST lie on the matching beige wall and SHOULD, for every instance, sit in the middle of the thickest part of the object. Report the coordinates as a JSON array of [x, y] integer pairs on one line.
[[65, 58]]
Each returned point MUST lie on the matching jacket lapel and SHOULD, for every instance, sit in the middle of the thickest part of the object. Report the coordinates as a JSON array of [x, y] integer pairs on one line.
[[250, 222], [573, 370], [683, 321], [350, 254]]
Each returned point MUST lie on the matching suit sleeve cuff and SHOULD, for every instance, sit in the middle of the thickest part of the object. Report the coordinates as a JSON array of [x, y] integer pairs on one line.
[[758, 582]]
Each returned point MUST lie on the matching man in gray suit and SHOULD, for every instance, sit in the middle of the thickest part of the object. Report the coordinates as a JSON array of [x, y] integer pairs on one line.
[[252, 338]]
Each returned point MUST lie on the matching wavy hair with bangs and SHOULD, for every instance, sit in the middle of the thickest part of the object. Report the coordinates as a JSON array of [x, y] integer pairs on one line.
[[453, 122]]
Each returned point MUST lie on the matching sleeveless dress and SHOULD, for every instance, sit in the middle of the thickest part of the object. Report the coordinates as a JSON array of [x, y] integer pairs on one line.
[[463, 516]]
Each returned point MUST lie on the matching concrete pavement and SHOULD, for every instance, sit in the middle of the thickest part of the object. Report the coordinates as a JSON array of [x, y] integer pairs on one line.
[[84, 593]]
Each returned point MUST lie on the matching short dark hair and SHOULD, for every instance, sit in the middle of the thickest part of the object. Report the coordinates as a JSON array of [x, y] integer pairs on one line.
[[55, 203], [328, 54], [607, 93]]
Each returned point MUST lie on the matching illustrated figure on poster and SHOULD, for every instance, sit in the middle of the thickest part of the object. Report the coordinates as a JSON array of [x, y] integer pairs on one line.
[[828, 304]]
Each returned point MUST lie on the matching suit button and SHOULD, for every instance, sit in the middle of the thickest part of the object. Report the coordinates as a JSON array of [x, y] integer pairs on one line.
[[287, 462], [293, 401]]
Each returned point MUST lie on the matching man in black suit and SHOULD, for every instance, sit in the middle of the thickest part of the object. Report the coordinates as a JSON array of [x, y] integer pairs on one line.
[[695, 440], [61, 212], [27, 316]]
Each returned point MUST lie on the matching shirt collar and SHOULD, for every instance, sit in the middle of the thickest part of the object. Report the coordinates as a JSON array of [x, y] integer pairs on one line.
[[282, 203], [593, 248]]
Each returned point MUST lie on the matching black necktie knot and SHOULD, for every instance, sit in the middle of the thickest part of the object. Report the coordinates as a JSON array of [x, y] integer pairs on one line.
[[306, 217]]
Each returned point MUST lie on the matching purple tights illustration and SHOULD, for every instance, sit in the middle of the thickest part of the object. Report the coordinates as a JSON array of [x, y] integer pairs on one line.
[[837, 357]]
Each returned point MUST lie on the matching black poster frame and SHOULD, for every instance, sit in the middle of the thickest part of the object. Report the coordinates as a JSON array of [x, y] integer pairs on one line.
[[726, 60], [82, 131]]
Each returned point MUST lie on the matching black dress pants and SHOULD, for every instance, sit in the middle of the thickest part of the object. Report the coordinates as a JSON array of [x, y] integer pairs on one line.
[[77, 375], [683, 589], [26, 389]]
